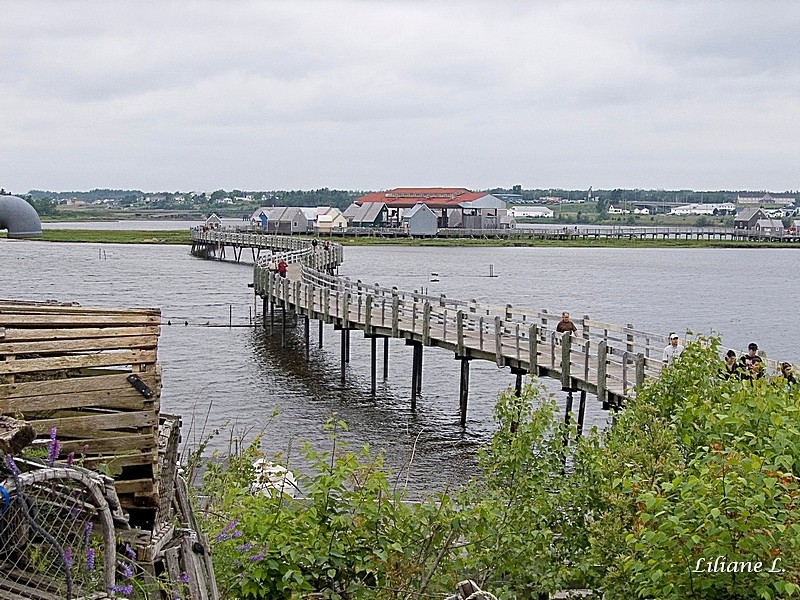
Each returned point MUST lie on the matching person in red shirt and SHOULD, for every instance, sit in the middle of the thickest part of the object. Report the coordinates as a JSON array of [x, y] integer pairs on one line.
[[282, 268]]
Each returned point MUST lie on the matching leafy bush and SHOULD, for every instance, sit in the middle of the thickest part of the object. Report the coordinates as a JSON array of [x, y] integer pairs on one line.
[[696, 467]]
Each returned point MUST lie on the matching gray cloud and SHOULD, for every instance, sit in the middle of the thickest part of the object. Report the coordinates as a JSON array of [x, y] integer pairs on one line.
[[372, 94]]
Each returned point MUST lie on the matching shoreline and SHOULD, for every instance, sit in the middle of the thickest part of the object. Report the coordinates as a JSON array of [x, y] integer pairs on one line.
[[181, 237]]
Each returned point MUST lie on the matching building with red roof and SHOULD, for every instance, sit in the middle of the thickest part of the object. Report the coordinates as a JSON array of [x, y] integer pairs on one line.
[[454, 207]]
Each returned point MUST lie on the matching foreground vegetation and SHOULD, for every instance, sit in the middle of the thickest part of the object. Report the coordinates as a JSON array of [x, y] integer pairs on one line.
[[696, 467]]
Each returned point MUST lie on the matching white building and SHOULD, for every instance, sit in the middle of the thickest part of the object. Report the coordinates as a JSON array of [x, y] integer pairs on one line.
[[724, 208], [532, 212]]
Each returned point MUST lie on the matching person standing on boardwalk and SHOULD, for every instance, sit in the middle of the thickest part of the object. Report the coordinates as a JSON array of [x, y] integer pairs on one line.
[[751, 363], [282, 268], [565, 324], [731, 366], [672, 351]]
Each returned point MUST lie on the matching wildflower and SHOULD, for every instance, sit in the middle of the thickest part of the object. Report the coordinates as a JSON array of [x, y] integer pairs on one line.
[[225, 534], [245, 547], [11, 464], [70, 458], [86, 533], [130, 552], [257, 557], [68, 556], [126, 570], [90, 560], [125, 590], [184, 578], [52, 449], [237, 534]]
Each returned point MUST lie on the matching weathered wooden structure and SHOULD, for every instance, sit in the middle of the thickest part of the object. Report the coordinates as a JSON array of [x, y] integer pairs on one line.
[[88, 379]]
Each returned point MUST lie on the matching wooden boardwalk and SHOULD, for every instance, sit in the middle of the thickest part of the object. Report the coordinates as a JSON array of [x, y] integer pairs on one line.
[[604, 359]]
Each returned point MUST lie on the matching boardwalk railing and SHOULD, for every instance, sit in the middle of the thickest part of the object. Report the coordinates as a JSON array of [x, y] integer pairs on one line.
[[605, 359]]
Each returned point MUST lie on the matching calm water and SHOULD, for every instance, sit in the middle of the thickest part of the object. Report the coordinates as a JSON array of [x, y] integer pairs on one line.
[[239, 376]]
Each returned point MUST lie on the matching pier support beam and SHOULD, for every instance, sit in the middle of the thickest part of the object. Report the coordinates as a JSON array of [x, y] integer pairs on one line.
[[386, 358], [306, 336], [581, 412], [264, 313], [343, 345], [347, 345], [373, 347], [519, 374], [271, 316], [416, 372], [283, 326], [320, 333], [463, 394]]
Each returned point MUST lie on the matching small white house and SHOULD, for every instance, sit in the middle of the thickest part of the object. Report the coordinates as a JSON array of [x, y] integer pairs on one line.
[[329, 219], [213, 221], [420, 220], [641, 211], [769, 226]]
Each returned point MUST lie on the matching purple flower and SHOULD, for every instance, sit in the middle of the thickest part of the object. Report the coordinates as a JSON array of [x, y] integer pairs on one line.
[[126, 570], [256, 557], [52, 448], [90, 560], [86, 533], [225, 534], [130, 552], [237, 534], [11, 464], [184, 578], [70, 458], [245, 547], [125, 590], [68, 556]]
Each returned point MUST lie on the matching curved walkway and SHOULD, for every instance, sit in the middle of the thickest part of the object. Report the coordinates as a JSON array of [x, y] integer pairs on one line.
[[604, 359]]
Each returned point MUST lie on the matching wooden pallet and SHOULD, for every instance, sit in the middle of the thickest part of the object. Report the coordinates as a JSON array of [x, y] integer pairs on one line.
[[67, 366]]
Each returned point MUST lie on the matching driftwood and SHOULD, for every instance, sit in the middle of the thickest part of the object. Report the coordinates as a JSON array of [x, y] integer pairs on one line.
[[15, 435]]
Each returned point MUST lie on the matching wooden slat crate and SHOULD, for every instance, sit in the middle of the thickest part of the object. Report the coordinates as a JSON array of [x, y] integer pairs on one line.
[[67, 366]]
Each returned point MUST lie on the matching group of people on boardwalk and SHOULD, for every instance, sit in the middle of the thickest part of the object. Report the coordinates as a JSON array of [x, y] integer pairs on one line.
[[748, 367]]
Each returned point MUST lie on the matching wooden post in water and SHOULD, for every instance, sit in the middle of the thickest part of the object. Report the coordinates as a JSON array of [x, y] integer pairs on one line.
[[373, 346], [347, 345], [320, 333], [418, 351], [271, 315], [343, 344], [463, 393], [386, 357], [567, 413], [264, 312], [283, 325], [305, 332], [518, 381], [416, 372], [581, 412]]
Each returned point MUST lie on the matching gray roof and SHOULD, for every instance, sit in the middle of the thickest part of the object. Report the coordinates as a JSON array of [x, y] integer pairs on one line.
[[19, 217], [419, 206], [364, 213], [747, 214]]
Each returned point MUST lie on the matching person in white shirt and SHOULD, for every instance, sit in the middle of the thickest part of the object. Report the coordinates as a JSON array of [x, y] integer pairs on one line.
[[672, 351]]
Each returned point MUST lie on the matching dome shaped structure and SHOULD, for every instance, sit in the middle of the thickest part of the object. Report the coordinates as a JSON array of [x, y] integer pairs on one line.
[[19, 217]]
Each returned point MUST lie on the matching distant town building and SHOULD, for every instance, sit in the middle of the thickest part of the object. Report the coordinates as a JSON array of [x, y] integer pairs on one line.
[[725, 208], [747, 218], [531, 212], [766, 198], [420, 220], [371, 214], [769, 226], [453, 207]]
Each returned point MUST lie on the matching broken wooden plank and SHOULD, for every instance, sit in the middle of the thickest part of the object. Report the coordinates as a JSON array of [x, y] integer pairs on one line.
[[79, 345], [114, 383], [43, 334], [56, 363]]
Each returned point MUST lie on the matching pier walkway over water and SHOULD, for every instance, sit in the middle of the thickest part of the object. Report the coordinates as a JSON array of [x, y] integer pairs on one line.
[[606, 360]]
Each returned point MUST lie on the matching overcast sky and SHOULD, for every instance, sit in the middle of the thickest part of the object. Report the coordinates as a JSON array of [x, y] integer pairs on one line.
[[375, 94]]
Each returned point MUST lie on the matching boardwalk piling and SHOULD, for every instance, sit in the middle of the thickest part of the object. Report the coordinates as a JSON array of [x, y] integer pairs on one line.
[[463, 394], [343, 344], [385, 357], [305, 335], [581, 412], [602, 355], [373, 359], [320, 333], [566, 383]]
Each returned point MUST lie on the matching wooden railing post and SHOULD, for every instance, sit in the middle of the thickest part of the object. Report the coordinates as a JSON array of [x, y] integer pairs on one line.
[[585, 327], [629, 339], [460, 334], [602, 357], [426, 323], [368, 314], [566, 347], [395, 315], [533, 349], [639, 370]]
